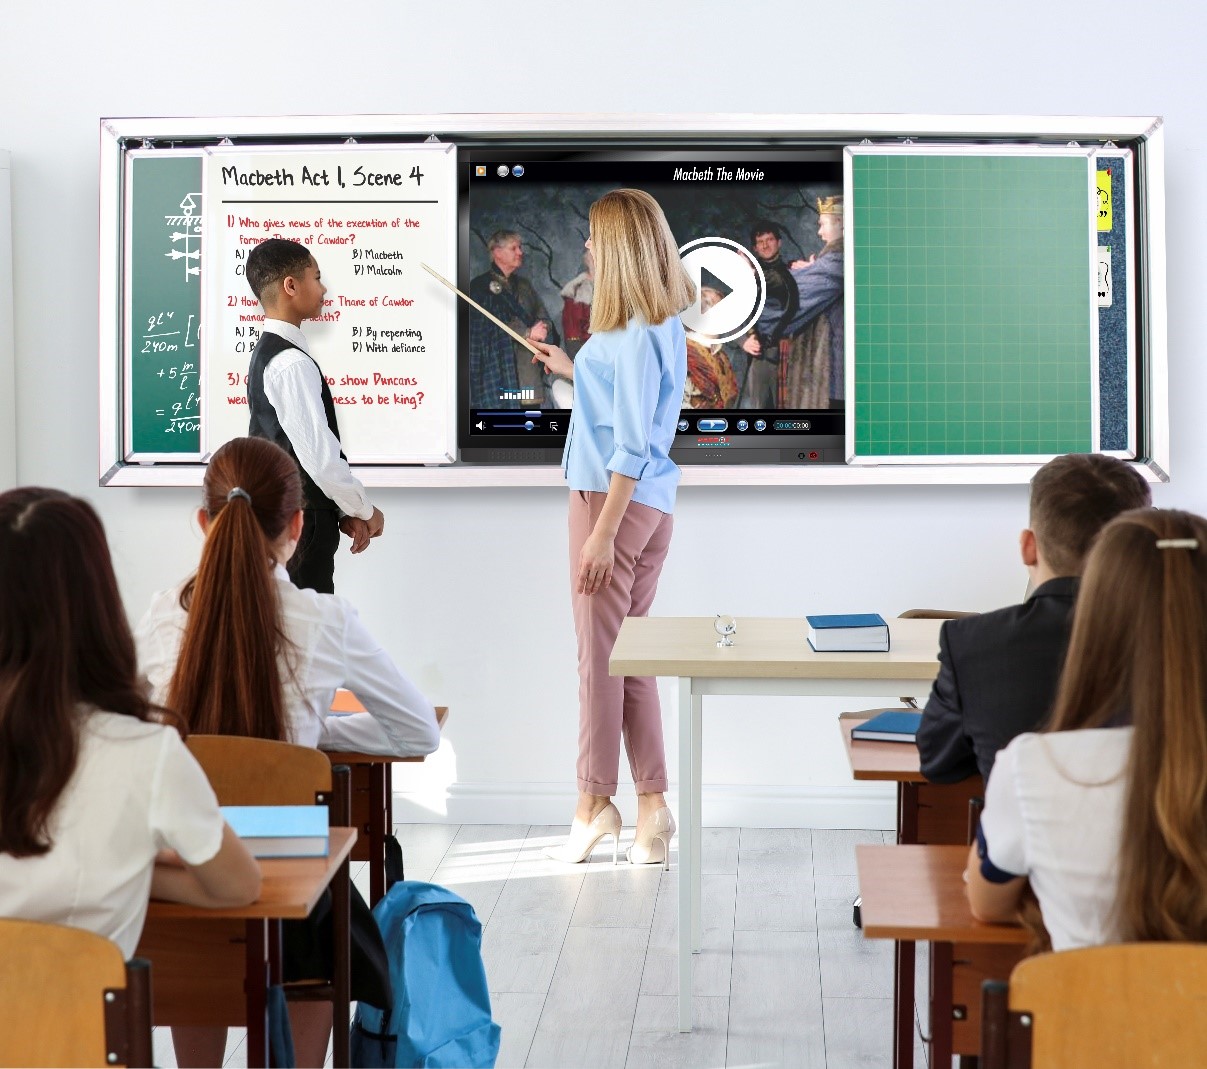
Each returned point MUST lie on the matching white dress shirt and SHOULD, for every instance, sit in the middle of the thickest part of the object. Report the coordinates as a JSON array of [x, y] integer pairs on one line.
[[330, 648], [136, 790], [1054, 813], [294, 388]]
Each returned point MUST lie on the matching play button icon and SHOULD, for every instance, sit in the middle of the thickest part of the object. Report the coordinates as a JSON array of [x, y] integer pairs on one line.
[[731, 289]]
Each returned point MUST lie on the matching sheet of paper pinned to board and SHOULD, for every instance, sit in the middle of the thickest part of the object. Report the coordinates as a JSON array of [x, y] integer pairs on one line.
[[385, 339]]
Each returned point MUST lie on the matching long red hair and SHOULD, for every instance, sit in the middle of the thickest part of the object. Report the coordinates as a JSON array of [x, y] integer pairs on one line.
[[228, 678]]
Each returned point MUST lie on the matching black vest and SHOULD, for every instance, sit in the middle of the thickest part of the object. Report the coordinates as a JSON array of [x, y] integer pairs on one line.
[[263, 417]]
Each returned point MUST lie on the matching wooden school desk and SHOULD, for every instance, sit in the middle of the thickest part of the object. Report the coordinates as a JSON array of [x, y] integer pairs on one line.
[[182, 994], [916, 894], [372, 789], [933, 813], [769, 656]]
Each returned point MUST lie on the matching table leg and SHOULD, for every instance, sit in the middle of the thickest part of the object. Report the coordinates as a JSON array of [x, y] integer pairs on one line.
[[255, 991], [697, 821], [686, 817]]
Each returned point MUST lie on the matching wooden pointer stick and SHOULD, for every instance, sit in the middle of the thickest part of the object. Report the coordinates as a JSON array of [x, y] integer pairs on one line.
[[494, 319]]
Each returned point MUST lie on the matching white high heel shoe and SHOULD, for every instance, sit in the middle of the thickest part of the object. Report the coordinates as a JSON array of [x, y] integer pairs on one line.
[[652, 845], [584, 836]]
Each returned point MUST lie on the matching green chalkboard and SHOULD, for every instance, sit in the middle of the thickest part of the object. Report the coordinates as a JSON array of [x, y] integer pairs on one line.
[[974, 303], [163, 295]]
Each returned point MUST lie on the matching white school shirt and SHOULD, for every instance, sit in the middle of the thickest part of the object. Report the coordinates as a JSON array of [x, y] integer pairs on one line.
[[1054, 813], [294, 388], [331, 649], [136, 790]]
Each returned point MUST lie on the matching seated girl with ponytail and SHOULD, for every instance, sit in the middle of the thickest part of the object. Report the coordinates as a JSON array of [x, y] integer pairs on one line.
[[239, 650], [1103, 813]]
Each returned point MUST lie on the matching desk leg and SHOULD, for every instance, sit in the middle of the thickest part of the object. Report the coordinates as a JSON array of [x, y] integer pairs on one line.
[[255, 992], [378, 830], [903, 953], [903, 1005], [686, 860], [940, 1003], [341, 1056], [697, 832]]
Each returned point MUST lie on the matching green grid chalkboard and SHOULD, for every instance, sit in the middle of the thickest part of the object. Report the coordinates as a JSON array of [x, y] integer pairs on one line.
[[972, 304], [164, 290]]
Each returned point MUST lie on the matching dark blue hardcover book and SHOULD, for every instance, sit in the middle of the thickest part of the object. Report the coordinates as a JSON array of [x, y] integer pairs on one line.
[[892, 726]]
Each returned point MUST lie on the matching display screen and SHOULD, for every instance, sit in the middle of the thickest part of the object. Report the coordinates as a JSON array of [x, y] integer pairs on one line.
[[760, 231]]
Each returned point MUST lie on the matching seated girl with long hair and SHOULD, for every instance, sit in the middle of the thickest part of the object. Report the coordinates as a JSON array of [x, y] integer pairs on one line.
[[239, 650], [1104, 813], [95, 781]]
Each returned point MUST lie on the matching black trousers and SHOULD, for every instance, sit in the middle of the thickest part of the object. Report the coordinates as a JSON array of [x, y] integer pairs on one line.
[[312, 566]]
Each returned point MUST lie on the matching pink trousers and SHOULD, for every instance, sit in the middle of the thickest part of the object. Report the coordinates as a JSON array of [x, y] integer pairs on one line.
[[614, 706]]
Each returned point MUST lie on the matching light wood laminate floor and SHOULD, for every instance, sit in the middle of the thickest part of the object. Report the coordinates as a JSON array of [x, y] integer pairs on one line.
[[581, 959]]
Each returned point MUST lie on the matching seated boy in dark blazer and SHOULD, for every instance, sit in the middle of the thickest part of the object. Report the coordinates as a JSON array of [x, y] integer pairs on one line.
[[998, 671]]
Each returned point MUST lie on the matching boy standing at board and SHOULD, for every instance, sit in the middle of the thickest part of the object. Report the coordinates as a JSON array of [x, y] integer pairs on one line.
[[290, 404]]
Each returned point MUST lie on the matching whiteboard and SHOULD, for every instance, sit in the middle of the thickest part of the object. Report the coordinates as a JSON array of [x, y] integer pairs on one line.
[[370, 216]]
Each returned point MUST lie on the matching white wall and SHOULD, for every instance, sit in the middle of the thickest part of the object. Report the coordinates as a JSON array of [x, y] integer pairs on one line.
[[468, 586], [8, 367]]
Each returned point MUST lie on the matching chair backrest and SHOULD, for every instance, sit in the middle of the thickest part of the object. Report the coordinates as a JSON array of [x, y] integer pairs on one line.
[[69, 998], [1114, 1007], [246, 771]]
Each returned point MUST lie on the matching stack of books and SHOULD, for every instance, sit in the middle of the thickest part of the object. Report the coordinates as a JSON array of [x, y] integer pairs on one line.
[[854, 633]]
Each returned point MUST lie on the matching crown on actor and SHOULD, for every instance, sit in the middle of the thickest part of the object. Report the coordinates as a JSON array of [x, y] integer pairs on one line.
[[829, 205]]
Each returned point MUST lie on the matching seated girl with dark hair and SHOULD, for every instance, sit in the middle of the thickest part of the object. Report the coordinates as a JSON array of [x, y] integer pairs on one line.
[[96, 785]]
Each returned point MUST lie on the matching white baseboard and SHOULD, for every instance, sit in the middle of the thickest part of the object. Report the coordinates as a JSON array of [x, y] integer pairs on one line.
[[855, 806]]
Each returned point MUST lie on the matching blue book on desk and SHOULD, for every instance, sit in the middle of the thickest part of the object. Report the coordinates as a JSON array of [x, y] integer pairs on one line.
[[895, 725], [851, 633], [280, 830]]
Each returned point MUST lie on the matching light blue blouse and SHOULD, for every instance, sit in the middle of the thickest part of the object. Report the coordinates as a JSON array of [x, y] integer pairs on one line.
[[628, 391]]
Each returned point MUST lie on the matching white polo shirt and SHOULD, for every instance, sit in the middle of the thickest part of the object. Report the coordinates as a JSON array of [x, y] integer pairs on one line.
[[136, 790]]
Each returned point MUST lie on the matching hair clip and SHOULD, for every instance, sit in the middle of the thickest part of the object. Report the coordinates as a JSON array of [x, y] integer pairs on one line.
[[238, 491], [1177, 543]]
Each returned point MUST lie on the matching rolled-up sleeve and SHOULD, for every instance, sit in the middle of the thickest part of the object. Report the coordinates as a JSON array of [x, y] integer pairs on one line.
[[635, 400]]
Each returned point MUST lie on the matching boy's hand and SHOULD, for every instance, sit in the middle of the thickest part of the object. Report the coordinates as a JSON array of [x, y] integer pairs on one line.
[[376, 522], [356, 529]]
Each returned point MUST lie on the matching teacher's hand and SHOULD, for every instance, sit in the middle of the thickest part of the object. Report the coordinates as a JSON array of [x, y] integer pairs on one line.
[[556, 361], [595, 563]]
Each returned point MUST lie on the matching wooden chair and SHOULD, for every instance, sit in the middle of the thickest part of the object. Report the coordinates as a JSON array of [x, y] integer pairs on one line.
[[199, 968], [69, 998], [1129, 1006]]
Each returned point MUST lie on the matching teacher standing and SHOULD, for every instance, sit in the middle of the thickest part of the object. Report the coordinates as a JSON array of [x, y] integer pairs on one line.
[[628, 388]]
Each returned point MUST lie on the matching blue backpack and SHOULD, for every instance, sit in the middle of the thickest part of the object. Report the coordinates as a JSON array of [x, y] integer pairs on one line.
[[441, 1013]]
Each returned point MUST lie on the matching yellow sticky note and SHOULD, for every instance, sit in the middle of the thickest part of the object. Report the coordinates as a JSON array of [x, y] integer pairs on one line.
[[1104, 200]]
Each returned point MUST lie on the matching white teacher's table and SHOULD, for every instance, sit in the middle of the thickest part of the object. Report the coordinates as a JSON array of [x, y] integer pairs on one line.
[[769, 656]]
